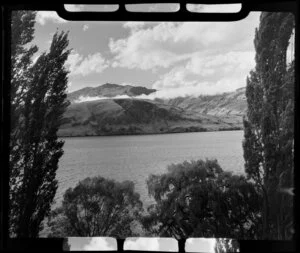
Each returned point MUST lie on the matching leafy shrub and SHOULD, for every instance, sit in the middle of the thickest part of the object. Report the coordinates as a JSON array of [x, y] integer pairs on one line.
[[97, 207], [199, 199]]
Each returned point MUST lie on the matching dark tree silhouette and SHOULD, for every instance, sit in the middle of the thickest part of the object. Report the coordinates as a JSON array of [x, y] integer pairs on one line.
[[66, 245], [269, 125], [97, 207], [199, 199], [38, 98]]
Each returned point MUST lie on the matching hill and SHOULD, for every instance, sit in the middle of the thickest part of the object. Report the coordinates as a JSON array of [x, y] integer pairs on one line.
[[109, 90], [136, 116], [229, 103]]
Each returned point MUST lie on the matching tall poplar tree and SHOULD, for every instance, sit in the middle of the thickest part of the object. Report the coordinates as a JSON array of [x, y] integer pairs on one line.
[[269, 125], [22, 30], [38, 98]]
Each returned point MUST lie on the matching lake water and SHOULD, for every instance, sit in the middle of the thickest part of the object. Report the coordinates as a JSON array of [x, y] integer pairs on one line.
[[135, 157]]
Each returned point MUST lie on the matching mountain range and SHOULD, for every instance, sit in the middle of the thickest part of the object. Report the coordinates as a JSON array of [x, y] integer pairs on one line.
[[119, 110]]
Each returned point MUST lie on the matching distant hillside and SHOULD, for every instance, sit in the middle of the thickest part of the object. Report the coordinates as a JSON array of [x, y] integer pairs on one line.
[[112, 116], [135, 116], [109, 90], [230, 103]]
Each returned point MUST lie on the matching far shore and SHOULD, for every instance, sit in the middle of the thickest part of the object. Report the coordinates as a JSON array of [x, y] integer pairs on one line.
[[156, 133]]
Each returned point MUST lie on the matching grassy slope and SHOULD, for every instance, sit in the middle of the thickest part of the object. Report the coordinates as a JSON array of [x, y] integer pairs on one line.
[[230, 104], [134, 116]]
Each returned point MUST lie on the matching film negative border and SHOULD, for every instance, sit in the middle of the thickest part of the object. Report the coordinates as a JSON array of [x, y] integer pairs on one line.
[[51, 244]]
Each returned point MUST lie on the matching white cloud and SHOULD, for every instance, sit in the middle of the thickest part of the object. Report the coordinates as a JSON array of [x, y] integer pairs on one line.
[[166, 44], [79, 65], [239, 61], [176, 78], [204, 88], [43, 16], [188, 90], [134, 26], [199, 75], [131, 54], [149, 244], [87, 98], [99, 243], [195, 89], [206, 75], [85, 27], [146, 48]]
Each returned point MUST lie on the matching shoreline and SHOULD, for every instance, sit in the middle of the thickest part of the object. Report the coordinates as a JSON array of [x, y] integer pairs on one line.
[[156, 133]]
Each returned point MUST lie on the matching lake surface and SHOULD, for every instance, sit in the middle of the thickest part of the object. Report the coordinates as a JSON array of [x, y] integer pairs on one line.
[[135, 157]]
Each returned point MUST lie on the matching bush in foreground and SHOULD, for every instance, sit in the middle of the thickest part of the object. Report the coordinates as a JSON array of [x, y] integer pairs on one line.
[[199, 199], [97, 207]]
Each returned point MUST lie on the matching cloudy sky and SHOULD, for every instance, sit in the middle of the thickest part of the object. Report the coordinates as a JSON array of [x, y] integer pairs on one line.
[[175, 58], [141, 243]]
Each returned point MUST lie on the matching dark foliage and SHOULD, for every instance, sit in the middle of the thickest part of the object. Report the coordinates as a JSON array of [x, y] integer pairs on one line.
[[66, 245], [38, 100], [225, 245], [199, 199], [97, 207], [269, 125]]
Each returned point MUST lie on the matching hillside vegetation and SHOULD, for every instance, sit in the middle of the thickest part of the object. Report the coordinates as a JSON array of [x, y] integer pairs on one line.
[[116, 116]]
